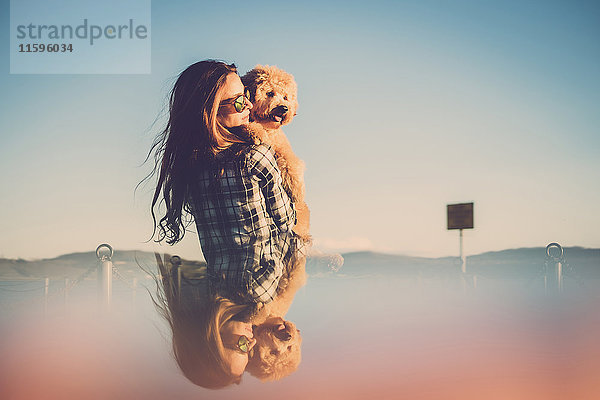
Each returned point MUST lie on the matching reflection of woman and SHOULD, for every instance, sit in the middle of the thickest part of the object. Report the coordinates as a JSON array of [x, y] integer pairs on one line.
[[210, 343], [232, 187]]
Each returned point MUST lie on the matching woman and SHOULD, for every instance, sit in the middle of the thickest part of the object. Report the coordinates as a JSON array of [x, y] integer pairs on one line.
[[211, 169]]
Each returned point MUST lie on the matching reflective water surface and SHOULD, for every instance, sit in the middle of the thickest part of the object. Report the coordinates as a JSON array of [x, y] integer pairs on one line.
[[367, 332]]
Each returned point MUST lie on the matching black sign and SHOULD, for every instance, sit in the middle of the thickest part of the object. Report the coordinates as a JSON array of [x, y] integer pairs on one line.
[[460, 216]]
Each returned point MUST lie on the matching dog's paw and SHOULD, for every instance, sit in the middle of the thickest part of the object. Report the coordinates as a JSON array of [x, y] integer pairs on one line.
[[254, 139], [283, 284], [307, 239]]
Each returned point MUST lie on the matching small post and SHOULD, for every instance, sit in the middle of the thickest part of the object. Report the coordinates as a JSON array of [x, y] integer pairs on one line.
[[67, 281], [134, 284], [46, 291], [176, 274], [104, 252]]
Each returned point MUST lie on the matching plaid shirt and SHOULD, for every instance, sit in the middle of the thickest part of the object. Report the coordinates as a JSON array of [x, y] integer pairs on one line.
[[244, 220]]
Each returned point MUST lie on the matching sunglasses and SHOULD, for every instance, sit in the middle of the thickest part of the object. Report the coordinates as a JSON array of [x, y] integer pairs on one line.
[[242, 345], [239, 103]]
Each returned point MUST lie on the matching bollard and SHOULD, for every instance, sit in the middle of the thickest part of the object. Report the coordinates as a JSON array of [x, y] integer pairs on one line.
[[176, 274], [46, 291], [134, 295], [553, 278], [66, 298], [104, 252]]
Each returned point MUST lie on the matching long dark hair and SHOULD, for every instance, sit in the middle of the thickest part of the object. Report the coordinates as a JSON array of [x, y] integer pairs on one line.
[[192, 136]]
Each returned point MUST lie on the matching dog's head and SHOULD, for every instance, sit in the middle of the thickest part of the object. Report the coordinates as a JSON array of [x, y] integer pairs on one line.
[[277, 350], [273, 93]]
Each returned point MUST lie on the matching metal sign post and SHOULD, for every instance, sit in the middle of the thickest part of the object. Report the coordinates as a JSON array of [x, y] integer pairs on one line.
[[460, 254]]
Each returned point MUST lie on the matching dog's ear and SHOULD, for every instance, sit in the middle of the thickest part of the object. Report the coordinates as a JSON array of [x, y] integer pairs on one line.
[[253, 78]]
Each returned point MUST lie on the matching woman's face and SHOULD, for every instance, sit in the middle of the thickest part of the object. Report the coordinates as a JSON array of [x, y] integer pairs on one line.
[[227, 115], [230, 334]]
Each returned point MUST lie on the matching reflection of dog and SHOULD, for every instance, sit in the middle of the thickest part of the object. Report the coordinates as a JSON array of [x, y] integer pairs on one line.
[[277, 353], [277, 350], [273, 93]]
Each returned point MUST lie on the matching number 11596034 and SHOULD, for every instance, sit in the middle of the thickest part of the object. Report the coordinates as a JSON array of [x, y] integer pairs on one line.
[[46, 48]]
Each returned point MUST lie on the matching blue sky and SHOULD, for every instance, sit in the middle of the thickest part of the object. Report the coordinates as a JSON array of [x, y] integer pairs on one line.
[[404, 108]]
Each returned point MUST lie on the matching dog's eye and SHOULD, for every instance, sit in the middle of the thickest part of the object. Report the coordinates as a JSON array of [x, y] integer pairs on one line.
[[275, 352], [285, 97], [289, 348], [271, 93]]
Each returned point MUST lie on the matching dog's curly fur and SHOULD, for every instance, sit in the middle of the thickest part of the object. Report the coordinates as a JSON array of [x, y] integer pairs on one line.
[[277, 352], [274, 95], [275, 357]]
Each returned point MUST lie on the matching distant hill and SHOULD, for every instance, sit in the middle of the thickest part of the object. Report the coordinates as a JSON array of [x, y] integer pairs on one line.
[[74, 264], [506, 263], [580, 261], [510, 263]]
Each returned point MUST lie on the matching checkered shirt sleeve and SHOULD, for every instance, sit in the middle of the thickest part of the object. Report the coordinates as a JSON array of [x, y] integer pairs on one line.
[[281, 216], [263, 165]]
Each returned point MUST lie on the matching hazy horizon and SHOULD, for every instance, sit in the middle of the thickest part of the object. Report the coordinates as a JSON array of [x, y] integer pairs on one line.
[[320, 254]]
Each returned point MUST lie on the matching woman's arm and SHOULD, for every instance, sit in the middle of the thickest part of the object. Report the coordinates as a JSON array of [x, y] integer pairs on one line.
[[263, 170], [278, 204]]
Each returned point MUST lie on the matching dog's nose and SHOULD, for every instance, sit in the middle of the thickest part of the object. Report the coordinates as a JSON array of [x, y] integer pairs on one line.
[[280, 110], [283, 335]]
